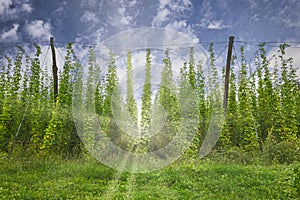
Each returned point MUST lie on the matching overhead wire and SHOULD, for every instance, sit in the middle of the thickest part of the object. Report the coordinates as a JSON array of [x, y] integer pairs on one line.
[[43, 62], [59, 53], [293, 44], [236, 55], [222, 51]]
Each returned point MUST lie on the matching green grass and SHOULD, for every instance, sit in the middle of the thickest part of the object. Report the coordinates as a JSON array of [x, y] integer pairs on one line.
[[189, 179]]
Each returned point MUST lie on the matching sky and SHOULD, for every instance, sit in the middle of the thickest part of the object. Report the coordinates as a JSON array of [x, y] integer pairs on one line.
[[91, 22]]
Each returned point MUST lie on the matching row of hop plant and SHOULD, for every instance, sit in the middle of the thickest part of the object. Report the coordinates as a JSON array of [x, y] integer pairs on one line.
[[263, 104]]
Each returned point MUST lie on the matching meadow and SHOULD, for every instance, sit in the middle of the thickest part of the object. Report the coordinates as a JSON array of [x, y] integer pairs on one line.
[[85, 178]]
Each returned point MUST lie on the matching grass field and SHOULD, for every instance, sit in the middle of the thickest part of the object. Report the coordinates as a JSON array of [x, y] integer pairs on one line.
[[190, 179]]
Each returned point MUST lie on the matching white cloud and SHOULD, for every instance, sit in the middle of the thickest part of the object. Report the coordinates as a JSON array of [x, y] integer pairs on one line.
[[4, 6], [183, 27], [175, 5], [123, 14], [60, 9], [291, 23], [124, 19], [38, 29], [11, 9], [179, 6], [169, 10], [176, 25], [254, 18], [161, 16], [88, 17], [253, 4], [208, 23], [217, 25], [187, 3], [132, 3], [88, 3], [289, 17], [27, 7], [288, 14], [11, 34]]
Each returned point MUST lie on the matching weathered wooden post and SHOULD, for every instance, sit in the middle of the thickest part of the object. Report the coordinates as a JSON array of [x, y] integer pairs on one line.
[[227, 73], [54, 70]]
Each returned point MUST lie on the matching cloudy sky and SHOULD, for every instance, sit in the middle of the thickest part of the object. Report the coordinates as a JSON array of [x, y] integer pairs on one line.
[[93, 21]]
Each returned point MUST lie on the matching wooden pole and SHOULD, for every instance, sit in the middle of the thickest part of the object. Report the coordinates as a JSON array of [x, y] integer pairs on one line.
[[227, 73], [54, 70]]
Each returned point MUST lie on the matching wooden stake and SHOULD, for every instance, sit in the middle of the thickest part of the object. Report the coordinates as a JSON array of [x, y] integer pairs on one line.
[[227, 73], [54, 70]]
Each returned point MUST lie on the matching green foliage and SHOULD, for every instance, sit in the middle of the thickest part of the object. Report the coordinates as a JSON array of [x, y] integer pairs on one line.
[[215, 112], [263, 105], [17, 73], [99, 99], [194, 76], [230, 135], [34, 83], [131, 105], [92, 80], [168, 100], [289, 96], [111, 83], [245, 123], [265, 95], [60, 135], [214, 86], [297, 180], [6, 105], [65, 87], [202, 104], [146, 96], [191, 70], [146, 106], [284, 152], [112, 100], [50, 139]]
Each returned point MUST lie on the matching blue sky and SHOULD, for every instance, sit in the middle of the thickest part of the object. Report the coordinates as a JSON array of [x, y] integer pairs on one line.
[[208, 20], [93, 21]]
